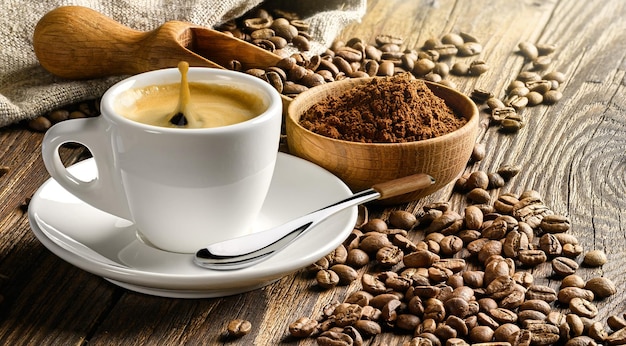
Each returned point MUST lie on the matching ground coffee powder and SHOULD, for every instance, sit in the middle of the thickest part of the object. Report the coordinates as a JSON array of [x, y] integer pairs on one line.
[[383, 110]]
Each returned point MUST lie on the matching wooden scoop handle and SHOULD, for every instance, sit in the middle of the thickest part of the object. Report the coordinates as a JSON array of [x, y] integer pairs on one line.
[[403, 185], [78, 43]]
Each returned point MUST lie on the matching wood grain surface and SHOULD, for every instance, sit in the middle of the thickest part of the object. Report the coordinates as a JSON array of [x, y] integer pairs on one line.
[[573, 153]]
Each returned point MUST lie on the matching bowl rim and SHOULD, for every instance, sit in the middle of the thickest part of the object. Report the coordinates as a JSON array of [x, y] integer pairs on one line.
[[470, 125]]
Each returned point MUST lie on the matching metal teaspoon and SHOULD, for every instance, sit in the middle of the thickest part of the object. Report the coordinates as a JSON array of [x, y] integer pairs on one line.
[[250, 249]]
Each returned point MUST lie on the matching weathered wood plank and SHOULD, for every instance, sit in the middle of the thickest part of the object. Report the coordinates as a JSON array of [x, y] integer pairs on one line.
[[573, 153]]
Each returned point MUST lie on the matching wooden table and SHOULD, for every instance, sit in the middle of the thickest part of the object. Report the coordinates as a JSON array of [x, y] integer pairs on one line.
[[573, 153]]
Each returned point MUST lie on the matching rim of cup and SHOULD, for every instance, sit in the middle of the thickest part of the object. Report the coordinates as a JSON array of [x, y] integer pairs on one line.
[[195, 74]]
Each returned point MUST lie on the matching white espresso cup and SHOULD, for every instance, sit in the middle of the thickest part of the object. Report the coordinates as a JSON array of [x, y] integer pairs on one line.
[[182, 188]]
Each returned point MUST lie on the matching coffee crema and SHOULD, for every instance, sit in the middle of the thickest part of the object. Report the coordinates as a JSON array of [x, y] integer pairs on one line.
[[209, 105]]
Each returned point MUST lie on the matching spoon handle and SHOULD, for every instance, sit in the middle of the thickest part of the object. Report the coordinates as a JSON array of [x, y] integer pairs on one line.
[[245, 251]]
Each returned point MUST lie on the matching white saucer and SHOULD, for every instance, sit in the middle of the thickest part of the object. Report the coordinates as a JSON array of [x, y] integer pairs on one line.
[[108, 246]]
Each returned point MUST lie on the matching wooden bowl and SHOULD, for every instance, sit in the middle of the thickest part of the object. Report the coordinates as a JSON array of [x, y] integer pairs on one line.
[[361, 165]]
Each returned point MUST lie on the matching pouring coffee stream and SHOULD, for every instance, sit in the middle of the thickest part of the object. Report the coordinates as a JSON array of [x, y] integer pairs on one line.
[[180, 115], [253, 248]]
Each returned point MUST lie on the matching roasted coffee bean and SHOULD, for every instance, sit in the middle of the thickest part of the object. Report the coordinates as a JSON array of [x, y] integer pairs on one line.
[[515, 242], [555, 75], [582, 340], [473, 278], [420, 259], [345, 273], [571, 250], [572, 327], [543, 334], [238, 328], [541, 292], [495, 180], [473, 217], [531, 258], [504, 331], [500, 287], [495, 230], [563, 266], [595, 258], [514, 299], [550, 245], [540, 87], [361, 298], [451, 245], [447, 219], [403, 243], [374, 241], [39, 124], [357, 258], [534, 98], [565, 238], [536, 305], [504, 203], [460, 68], [528, 76], [566, 294], [555, 224], [583, 307], [597, 331], [573, 280], [357, 339], [530, 315], [552, 97], [478, 67], [389, 256], [481, 95], [338, 255], [368, 328], [502, 315], [495, 269], [477, 179], [481, 334], [375, 225], [303, 327], [479, 195], [518, 102], [332, 338], [327, 279], [469, 49], [509, 171], [372, 284], [291, 88], [490, 248], [528, 50], [402, 219], [523, 278], [601, 287], [498, 115], [616, 338], [541, 62], [346, 314]]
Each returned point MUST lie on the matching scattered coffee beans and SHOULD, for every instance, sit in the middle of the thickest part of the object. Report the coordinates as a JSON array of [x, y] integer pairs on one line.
[[462, 278]]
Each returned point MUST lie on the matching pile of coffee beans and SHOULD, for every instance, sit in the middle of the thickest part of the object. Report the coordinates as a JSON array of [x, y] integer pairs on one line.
[[531, 87], [445, 277], [73, 111], [271, 29], [386, 57]]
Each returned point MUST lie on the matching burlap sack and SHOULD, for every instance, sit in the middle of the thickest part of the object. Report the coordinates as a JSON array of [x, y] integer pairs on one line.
[[27, 90]]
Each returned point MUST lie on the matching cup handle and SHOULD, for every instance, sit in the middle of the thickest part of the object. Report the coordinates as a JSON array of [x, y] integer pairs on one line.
[[105, 191]]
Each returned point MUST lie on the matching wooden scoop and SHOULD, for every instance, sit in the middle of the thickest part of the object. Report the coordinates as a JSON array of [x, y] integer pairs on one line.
[[78, 43]]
